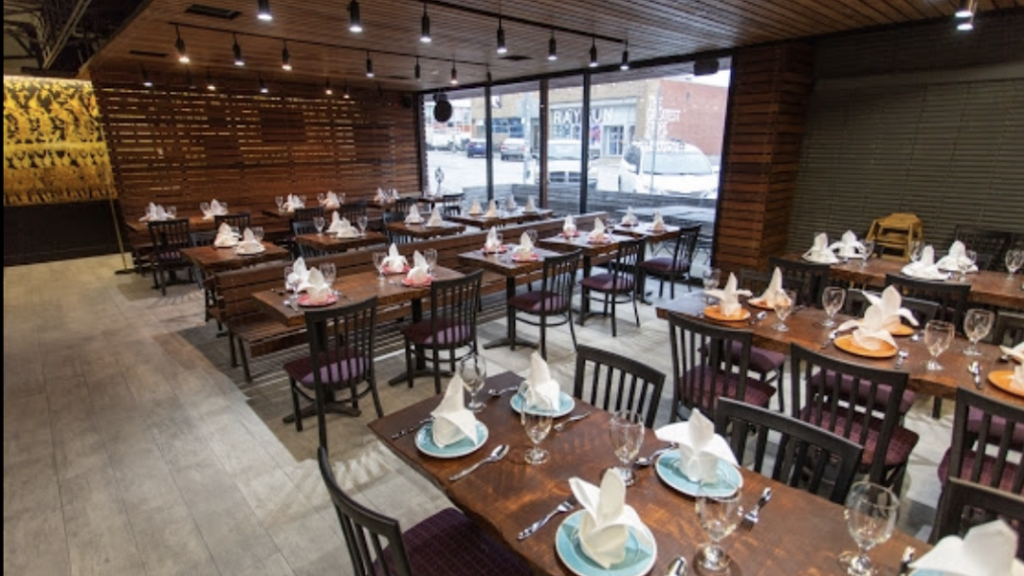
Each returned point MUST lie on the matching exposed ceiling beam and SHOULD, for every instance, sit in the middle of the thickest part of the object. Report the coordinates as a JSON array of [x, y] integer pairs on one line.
[[54, 46]]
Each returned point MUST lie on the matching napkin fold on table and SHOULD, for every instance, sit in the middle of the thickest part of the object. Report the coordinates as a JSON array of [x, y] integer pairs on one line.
[[925, 268], [413, 217], [419, 274], [598, 234], [569, 227], [525, 249], [659, 221], [539, 390], [249, 243], [154, 213], [292, 203], [774, 291], [394, 261], [1017, 352], [435, 220], [987, 550], [299, 274], [700, 448], [226, 237], [492, 244], [452, 420], [848, 246], [630, 219], [492, 209], [890, 303], [819, 252], [475, 209], [331, 201], [530, 206], [956, 256], [729, 297], [604, 527], [342, 227], [871, 331], [382, 197], [318, 291]]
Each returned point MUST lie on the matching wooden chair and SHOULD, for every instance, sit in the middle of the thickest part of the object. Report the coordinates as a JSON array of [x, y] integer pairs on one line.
[[393, 236], [804, 456], [823, 394], [352, 211], [403, 205], [711, 362], [553, 300], [811, 279], [307, 214], [966, 504], [1008, 329], [169, 237], [301, 229], [445, 544], [240, 220], [990, 245], [206, 284], [620, 284], [340, 360], [617, 383], [676, 267], [988, 443], [452, 325], [451, 205]]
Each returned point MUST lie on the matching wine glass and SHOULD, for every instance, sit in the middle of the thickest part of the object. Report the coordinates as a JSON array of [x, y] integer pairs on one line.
[[537, 424], [1014, 260], [204, 207], [719, 512], [320, 197], [341, 198], [965, 263], [378, 263], [172, 211], [627, 434], [302, 199], [532, 235], [291, 284], [430, 255], [279, 200], [473, 371], [330, 273], [223, 208], [832, 299], [977, 324], [870, 514], [319, 222], [783, 305], [711, 276], [258, 233], [869, 249], [938, 335], [361, 221], [915, 250]]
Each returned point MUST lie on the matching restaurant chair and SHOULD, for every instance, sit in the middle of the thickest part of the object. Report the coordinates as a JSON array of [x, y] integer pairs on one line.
[[351, 211], [452, 325], [613, 382], [990, 245], [241, 221], [307, 214], [206, 238], [988, 443], [802, 454], [451, 205], [966, 504], [809, 279], [402, 206], [169, 237], [822, 394], [340, 361], [301, 229], [673, 268], [395, 237], [1008, 329], [445, 544], [706, 367], [553, 300], [619, 285]]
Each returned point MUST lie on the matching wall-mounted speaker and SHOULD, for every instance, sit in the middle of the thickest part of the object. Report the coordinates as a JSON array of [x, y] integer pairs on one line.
[[443, 111], [406, 101], [705, 67]]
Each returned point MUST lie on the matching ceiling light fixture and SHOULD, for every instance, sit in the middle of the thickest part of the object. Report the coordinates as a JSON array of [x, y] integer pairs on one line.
[[369, 66], [145, 77], [286, 57], [327, 88], [345, 93], [593, 53], [180, 45], [263, 86], [455, 74], [263, 10], [416, 69], [425, 26], [966, 25], [625, 57], [966, 9], [552, 47], [210, 85], [237, 49], [355, 22], [502, 47]]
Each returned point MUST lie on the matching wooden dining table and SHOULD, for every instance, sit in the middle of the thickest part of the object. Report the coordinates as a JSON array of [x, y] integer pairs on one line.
[[422, 231], [503, 218], [211, 259], [328, 242], [798, 533]]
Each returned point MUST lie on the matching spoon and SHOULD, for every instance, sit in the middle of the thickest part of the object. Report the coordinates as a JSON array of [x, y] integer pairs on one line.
[[901, 357], [645, 461], [497, 454], [677, 568], [758, 317]]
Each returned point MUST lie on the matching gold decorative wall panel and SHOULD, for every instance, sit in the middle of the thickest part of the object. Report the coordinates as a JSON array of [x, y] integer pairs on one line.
[[53, 144]]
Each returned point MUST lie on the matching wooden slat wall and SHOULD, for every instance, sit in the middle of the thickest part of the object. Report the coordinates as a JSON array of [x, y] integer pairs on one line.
[[765, 128]]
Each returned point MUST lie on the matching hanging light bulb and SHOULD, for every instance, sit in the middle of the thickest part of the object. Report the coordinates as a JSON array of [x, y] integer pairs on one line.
[[425, 26], [355, 22], [455, 74], [263, 86], [145, 77], [327, 88], [345, 93], [180, 45], [286, 58], [502, 48], [965, 10], [263, 10], [210, 85], [625, 57], [239, 61], [416, 70], [966, 25], [369, 66], [552, 48], [593, 53]]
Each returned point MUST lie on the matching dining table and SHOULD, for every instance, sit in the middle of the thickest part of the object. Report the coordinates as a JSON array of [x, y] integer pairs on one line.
[[196, 223], [590, 250], [798, 533], [423, 231], [211, 259], [328, 242], [503, 218]]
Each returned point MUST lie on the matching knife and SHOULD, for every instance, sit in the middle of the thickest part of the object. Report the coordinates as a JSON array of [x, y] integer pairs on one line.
[[908, 557]]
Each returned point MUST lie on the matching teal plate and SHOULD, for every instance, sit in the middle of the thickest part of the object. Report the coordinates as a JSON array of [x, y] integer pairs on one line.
[[638, 561], [565, 405], [669, 472], [425, 442]]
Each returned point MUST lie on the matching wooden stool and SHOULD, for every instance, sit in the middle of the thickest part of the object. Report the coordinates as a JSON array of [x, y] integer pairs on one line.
[[894, 233]]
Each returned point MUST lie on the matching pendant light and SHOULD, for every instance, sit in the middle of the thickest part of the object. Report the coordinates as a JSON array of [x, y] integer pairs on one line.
[[286, 57], [593, 52], [145, 77], [425, 26], [966, 25], [355, 22], [263, 10], [369, 66], [188, 79], [263, 86], [327, 88], [552, 48], [502, 47], [179, 44], [237, 49], [210, 85], [965, 10], [345, 93], [625, 57]]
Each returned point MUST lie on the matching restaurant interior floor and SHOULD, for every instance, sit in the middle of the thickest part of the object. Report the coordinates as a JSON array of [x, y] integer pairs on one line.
[[131, 447]]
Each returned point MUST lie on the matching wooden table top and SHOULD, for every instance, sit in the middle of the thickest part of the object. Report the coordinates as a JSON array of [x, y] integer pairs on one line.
[[562, 244], [503, 263], [213, 259], [353, 288], [799, 533], [987, 287], [804, 329], [195, 223], [646, 230], [423, 231], [503, 218], [331, 243]]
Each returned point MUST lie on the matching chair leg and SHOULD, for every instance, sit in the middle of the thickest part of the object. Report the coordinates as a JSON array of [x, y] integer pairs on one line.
[[231, 344], [245, 361], [544, 337], [295, 404], [636, 312], [937, 408], [610, 298], [510, 318], [321, 420], [572, 331], [376, 397], [408, 362], [584, 297], [437, 368]]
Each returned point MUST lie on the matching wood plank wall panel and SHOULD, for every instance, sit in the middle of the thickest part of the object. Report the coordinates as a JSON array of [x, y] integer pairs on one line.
[[765, 127]]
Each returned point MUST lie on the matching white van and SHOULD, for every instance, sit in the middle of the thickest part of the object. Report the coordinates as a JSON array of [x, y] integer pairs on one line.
[[671, 168], [564, 162]]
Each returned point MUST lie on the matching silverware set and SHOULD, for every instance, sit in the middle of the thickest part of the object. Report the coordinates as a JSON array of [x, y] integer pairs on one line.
[[560, 509], [410, 429], [501, 391], [901, 357], [645, 461], [497, 454], [758, 317], [751, 518], [561, 425], [828, 341]]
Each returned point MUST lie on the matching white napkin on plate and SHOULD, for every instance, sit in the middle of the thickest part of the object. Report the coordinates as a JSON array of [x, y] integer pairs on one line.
[[986, 550], [435, 220], [414, 215], [925, 267], [154, 212], [604, 527], [331, 201], [729, 297], [598, 234], [491, 244], [249, 243], [300, 272], [539, 390], [569, 227], [820, 252], [342, 227], [394, 261], [419, 274], [957, 255], [292, 203], [335, 223], [630, 219], [871, 331], [700, 448], [530, 207], [1017, 352], [474, 209], [525, 249], [452, 421], [317, 290], [659, 221], [891, 309], [226, 237], [849, 246], [492, 209], [774, 290]]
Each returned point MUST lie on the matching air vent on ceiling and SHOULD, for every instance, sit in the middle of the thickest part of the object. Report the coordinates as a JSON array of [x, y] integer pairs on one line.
[[212, 12], [148, 54], [515, 57]]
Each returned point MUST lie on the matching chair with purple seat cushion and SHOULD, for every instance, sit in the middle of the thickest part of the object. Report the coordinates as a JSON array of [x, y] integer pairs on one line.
[[826, 391], [988, 443], [705, 367], [620, 284], [676, 267], [553, 300], [169, 237], [340, 360], [447, 543], [451, 326], [966, 504]]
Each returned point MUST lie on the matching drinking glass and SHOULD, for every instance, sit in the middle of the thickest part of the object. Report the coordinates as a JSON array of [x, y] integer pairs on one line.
[[532, 235], [172, 211], [330, 273], [627, 434], [204, 207], [258, 233], [473, 371], [361, 221], [378, 263], [977, 324], [719, 515], [223, 207], [341, 197], [1014, 260], [302, 199], [783, 306], [319, 222], [915, 250], [965, 263], [832, 299], [279, 200], [430, 255], [938, 335], [711, 278], [320, 197], [537, 426], [291, 284], [869, 249], [870, 514]]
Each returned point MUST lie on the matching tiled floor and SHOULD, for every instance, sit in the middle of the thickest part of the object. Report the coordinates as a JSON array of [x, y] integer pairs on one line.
[[132, 448]]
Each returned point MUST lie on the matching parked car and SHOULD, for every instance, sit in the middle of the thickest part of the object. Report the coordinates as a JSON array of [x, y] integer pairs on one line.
[[513, 148], [564, 163], [476, 147], [670, 168]]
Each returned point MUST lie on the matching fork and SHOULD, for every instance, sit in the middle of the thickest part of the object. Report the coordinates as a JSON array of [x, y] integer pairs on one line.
[[560, 509], [828, 342], [750, 518]]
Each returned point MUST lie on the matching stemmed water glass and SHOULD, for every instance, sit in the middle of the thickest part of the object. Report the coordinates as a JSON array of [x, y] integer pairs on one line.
[[258, 233], [627, 434], [965, 263], [938, 335], [532, 235], [341, 198], [430, 255], [204, 207], [832, 299], [977, 324], [330, 273], [361, 221], [291, 284], [711, 276], [1014, 260], [719, 512], [378, 263], [172, 211], [319, 222], [537, 424], [279, 200], [320, 197], [473, 371], [915, 250], [783, 305], [870, 514], [869, 249]]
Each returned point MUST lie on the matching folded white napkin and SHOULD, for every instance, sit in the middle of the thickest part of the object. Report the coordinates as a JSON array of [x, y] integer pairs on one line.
[[700, 448], [217, 209], [491, 244], [492, 209], [381, 197], [956, 256], [569, 227], [728, 297], [475, 209], [774, 290], [292, 203], [849, 246], [630, 219], [225, 236], [525, 249], [871, 331], [530, 207], [342, 227], [435, 220], [335, 223], [604, 528], [452, 421], [414, 215], [510, 204], [331, 201], [154, 212], [540, 391], [395, 262], [925, 267], [986, 550], [659, 221], [419, 274], [249, 243], [891, 309], [299, 273], [1017, 352], [317, 290], [598, 234], [819, 252]]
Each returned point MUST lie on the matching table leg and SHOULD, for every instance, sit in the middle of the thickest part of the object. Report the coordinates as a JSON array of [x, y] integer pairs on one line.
[[421, 365], [510, 338], [584, 311]]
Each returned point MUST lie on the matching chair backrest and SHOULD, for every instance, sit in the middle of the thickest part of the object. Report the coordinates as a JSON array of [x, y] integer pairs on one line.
[[757, 282], [617, 383], [367, 533], [402, 205], [170, 234], [988, 442], [686, 243], [393, 236], [352, 210], [923, 310], [204, 238], [453, 308], [813, 276], [560, 280], [989, 244], [240, 220], [708, 362], [840, 396], [301, 228], [1009, 328], [341, 343], [804, 456], [624, 267], [307, 214], [951, 297], [965, 504]]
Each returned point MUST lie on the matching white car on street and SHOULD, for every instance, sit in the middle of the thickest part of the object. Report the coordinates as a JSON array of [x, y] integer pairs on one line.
[[670, 168]]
